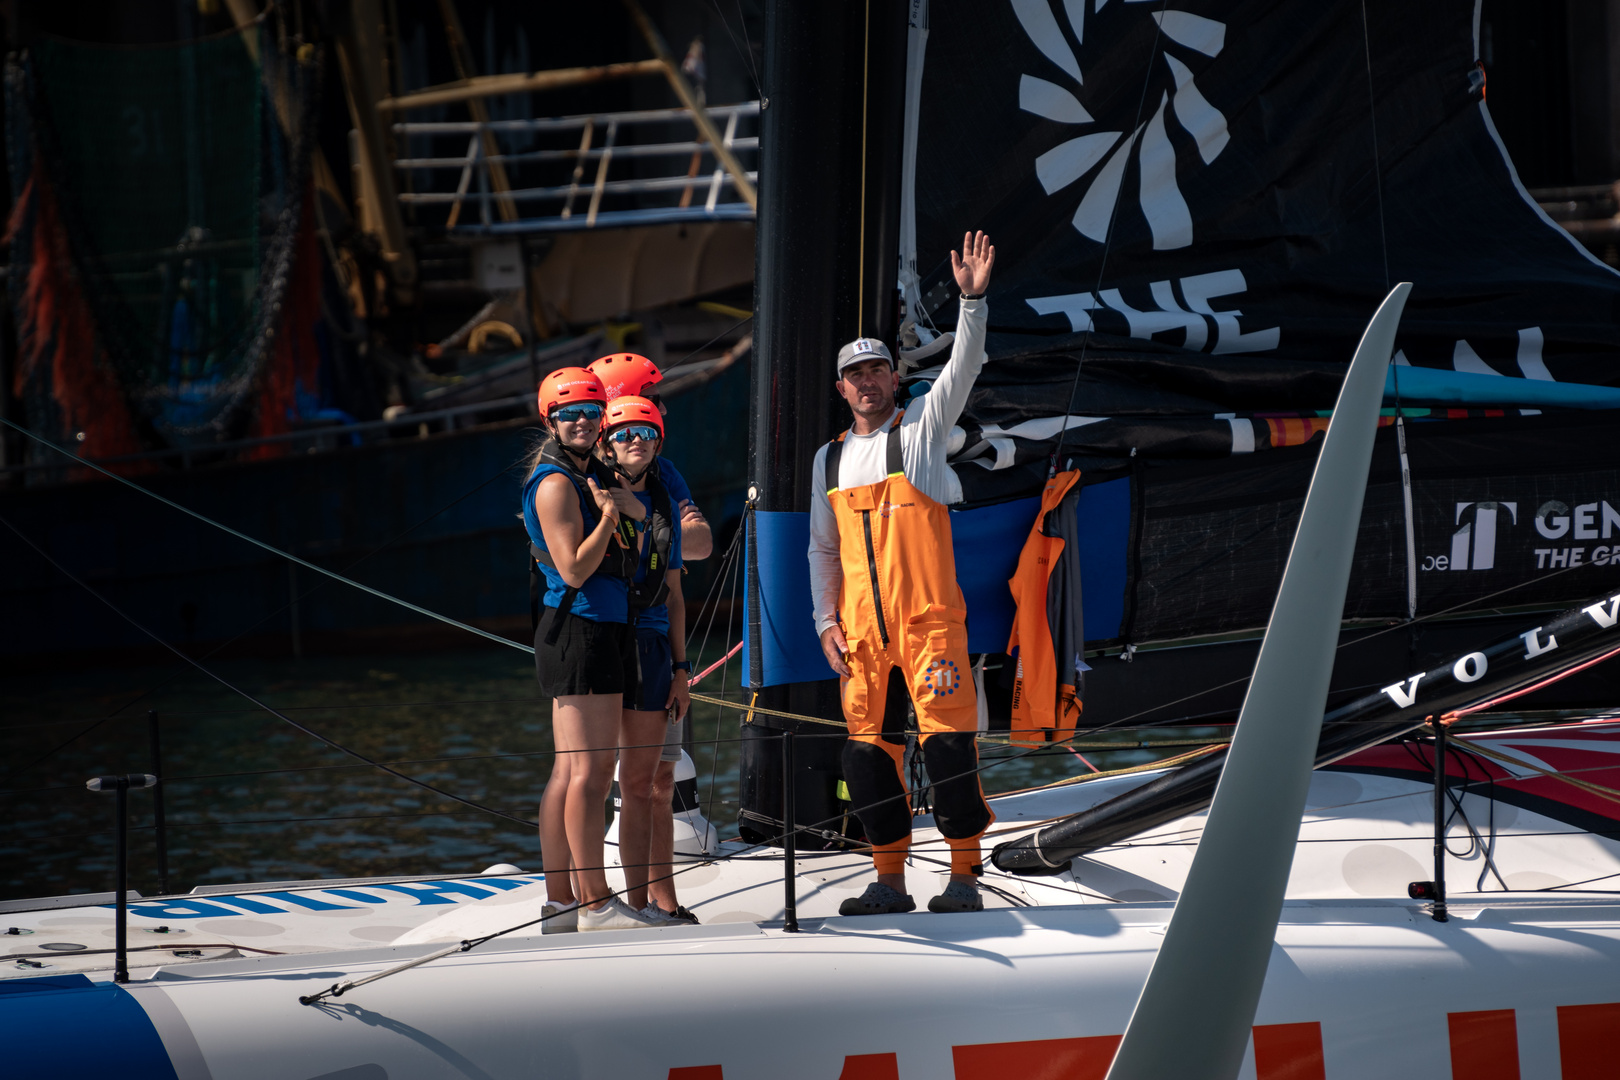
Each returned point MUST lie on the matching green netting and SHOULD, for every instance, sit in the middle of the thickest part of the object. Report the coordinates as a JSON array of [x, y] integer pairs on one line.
[[180, 194]]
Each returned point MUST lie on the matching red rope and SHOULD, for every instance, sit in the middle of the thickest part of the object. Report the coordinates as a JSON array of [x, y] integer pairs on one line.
[[1460, 713]]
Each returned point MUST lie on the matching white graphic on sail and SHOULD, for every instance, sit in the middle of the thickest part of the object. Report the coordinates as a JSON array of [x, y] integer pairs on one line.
[[1158, 190]]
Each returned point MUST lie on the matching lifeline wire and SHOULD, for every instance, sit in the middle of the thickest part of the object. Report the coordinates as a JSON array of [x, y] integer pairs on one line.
[[338, 989], [261, 544], [301, 596], [235, 689]]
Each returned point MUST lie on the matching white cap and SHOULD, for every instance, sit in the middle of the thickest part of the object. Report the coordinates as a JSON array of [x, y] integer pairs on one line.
[[862, 349]]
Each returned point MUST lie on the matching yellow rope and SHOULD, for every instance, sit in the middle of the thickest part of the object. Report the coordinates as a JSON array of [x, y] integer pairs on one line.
[[1162, 763], [1585, 785], [753, 708]]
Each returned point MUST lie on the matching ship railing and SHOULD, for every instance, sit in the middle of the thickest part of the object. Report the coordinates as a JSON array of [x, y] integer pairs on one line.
[[324, 438], [702, 187]]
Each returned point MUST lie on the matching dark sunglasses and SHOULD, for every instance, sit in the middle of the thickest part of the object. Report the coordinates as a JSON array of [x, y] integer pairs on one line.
[[645, 433], [570, 414]]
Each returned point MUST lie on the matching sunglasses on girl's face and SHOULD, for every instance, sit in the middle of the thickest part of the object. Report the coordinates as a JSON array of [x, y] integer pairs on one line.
[[571, 414], [625, 434]]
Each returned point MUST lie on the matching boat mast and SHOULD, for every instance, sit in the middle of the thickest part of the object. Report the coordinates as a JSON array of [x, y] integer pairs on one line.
[[826, 267]]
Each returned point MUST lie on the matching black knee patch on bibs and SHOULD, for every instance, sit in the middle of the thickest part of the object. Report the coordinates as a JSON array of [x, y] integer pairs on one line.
[[952, 758], [876, 793]]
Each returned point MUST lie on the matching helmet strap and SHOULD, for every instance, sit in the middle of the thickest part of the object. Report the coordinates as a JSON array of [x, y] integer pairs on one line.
[[582, 457], [636, 479]]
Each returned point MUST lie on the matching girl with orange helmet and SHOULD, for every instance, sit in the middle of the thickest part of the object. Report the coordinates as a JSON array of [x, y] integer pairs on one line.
[[649, 727], [584, 648], [626, 374]]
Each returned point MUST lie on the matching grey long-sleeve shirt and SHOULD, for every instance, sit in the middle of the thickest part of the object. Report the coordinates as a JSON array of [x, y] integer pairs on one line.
[[925, 428]]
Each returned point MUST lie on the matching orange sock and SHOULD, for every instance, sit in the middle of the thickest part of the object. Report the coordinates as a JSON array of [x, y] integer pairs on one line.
[[891, 858], [965, 856]]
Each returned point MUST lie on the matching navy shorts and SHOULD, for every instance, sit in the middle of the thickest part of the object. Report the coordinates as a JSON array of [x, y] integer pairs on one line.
[[653, 657]]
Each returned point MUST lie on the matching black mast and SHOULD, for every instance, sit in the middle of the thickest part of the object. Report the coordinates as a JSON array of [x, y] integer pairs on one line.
[[827, 258]]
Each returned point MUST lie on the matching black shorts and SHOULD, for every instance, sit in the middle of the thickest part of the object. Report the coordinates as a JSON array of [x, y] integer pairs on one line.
[[588, 658]]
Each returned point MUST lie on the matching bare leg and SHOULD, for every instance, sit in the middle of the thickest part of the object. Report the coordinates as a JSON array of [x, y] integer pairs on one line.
[[554, 857], [641, 740], [587, 724], [661, 842]]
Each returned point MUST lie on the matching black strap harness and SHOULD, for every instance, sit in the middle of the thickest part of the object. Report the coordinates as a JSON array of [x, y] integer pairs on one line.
[[894, 463], [622, 559]]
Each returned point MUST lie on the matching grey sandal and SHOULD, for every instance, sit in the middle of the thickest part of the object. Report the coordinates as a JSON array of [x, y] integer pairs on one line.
[[878, 900], [958, 896]]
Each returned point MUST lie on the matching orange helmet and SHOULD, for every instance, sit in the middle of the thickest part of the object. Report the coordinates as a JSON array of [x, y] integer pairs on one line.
[[626, 374], [623, 411], [570, 386]]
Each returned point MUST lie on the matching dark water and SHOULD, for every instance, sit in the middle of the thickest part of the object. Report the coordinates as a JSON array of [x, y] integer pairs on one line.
[[250, 798]]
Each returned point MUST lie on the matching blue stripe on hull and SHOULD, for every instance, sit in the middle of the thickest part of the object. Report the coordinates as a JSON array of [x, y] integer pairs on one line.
[[69, 1027]]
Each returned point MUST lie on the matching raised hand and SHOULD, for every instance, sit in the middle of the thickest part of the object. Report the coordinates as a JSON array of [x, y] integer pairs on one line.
[[625, 499], [605, 504], [972, 265]]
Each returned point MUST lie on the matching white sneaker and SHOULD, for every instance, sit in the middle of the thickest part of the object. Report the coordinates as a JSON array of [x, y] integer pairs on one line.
[[560, 918], [613, 915]]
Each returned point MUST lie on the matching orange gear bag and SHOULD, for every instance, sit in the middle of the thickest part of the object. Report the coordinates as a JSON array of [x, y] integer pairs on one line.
[[1046, 698]]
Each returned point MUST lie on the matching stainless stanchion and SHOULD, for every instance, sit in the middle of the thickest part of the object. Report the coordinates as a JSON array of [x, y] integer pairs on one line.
[[790, 907]]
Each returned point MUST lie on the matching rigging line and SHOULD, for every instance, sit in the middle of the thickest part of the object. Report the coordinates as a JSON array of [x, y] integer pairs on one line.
[[1108, 243], [1395, 369], [301, 596], [273, 550], [1487, 848], [720, 577], [346, 707], [753, 66], [193, 778], [745, 56], [860, 221], [1426, 837], [712, 598], [244, 821], [1463, 606], [1571, 886], [725, 672], [1588, 786], [339, 989], [229, 686], [1372, 116], [689, 357]]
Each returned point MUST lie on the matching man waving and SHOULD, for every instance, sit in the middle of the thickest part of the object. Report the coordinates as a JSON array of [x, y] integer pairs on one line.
[[887, 605]]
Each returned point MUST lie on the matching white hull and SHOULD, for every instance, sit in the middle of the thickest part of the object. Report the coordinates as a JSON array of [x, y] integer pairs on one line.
[[1051, 959]]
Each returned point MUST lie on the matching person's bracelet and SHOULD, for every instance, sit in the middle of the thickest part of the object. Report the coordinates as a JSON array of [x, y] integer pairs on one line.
[[680, 665], [973, 296]]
